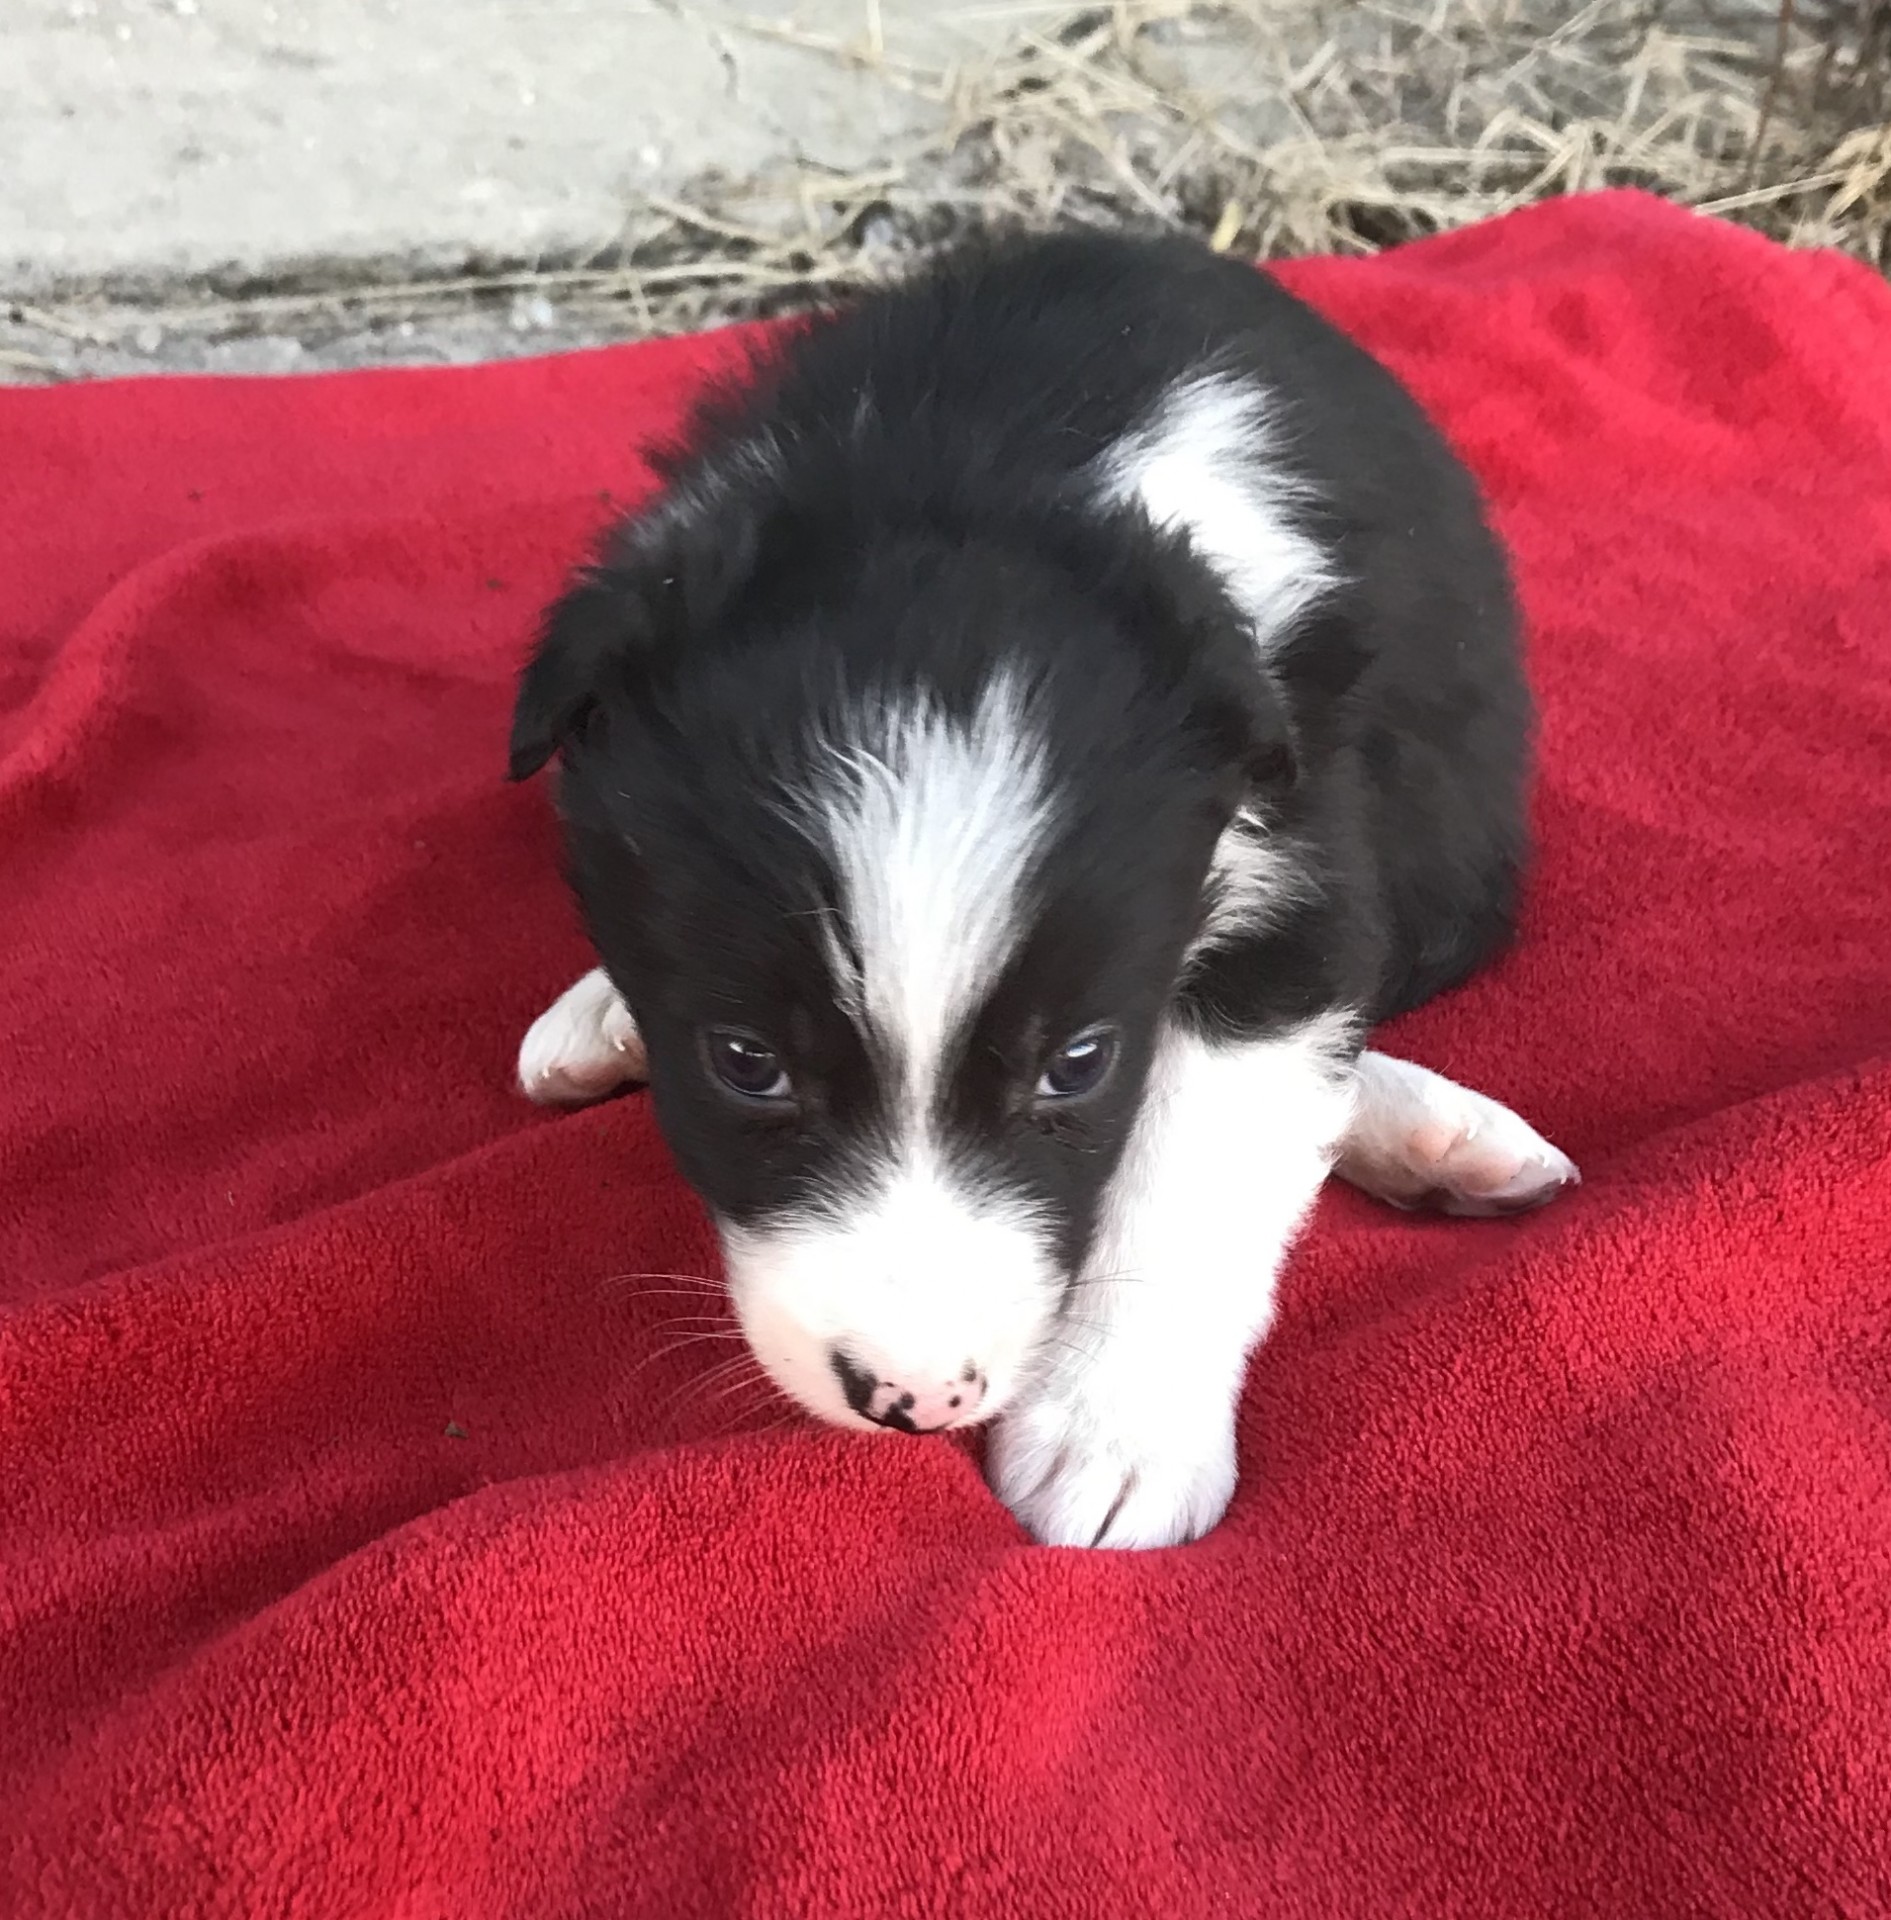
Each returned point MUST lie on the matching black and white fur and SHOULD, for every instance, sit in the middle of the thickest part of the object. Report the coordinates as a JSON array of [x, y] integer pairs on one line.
[[1052, 714]]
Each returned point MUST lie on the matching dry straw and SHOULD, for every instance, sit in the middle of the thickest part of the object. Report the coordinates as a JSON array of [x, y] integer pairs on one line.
[[1278, 127]]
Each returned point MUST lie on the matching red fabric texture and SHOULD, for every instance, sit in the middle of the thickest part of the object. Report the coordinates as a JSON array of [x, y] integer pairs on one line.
[[370, 1546]]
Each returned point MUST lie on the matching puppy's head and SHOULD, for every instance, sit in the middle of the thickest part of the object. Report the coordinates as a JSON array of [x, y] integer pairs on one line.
[[895, 844]]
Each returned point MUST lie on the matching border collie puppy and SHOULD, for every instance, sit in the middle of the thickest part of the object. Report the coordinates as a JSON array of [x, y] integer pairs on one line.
[[1053, 712]]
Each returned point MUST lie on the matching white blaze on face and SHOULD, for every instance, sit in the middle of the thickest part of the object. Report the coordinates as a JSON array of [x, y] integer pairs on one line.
[[918, 1275], [933, 826]]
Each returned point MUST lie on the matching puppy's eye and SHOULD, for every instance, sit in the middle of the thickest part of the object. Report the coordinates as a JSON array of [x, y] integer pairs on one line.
[[746, 1065], [1079, 1066]]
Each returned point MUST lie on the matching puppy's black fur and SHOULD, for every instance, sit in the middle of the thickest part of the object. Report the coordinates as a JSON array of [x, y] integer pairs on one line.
[[897, 500]]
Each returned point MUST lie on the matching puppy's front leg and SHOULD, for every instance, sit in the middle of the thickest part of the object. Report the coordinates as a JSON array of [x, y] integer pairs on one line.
[[1126, 1437], [1420, 1140], [583, 1046]]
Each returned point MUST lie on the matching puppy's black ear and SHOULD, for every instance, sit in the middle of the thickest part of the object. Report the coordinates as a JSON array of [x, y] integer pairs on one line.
[[599, 622], [659, 579]]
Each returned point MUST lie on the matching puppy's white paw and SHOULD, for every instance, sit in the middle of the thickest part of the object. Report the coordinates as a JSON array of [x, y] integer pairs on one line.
[[1074, 1481], [583, 1046], [1420, 1140]]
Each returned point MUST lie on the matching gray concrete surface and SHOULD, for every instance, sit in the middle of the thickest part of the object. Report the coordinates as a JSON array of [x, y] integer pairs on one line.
[[150, 141]]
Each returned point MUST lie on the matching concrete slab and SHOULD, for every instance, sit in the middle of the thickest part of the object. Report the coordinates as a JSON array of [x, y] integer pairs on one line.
[[146, 141]]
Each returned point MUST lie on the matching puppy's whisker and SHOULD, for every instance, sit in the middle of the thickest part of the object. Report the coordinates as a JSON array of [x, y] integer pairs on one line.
[[1108, 1280], [1069, 1346], [697, 1282], [715, 1310], [668, 1349], [729, 1374], [655, 1273], [738, 1382], [737, 1423], [738, 1406], [734, 1363]]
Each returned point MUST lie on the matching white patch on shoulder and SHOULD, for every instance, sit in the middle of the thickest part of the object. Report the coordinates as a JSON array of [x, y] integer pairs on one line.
[[1206, 464], [1126, 1436], [934, 826]]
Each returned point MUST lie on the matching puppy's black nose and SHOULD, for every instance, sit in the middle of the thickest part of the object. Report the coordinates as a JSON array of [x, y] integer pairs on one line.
[[888, 1401]]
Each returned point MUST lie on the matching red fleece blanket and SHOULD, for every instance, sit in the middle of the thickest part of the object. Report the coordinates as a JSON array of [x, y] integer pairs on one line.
[[384, 1527]]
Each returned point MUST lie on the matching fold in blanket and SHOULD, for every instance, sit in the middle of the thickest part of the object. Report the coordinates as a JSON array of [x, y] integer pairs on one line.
[[389, 1524]]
